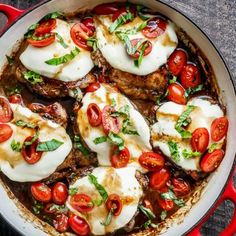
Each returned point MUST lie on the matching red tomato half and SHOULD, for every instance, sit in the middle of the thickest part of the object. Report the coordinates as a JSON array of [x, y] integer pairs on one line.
[[190, 76], [212, 160], [42, 43], [46, 27], [37, 107], [29, 152], [114, 202], [6, 114], [176, 93], [155, 27], [219, 128], [81, 202], [79, 225], [41, 192], [181, 187], [94, 115], [147, 50], [151, 161], [165, 204], [119, 159], [89, 23], [59, 193], [110, 124], [159, 179], [93, 87], [61, 223], [5, 132], [106, 8], [16, 99], [200, 140], [177, 61]]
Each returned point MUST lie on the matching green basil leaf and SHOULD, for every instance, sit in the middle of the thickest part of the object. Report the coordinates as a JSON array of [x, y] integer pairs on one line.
[[39, 38], [31, 30], [189, 154], [142, 26], [97, 202], [33, 77], [53, 15], [141, 14], [79, 145], [171, 196], [92, 42], [49, 146], [113, 102], [72, 191], [122, 111], [10, 60], [138, 62], [108, 218], [212, 147], [59, 208], [127, 128], [100, 139], [147, 212], [37, 207], [117, 140], [161, 98], [174, 150], [15, 146], [64, 59], [25, 124], [172, 80], [190, 91], [61, 41], [163, 215], [13, 90], [33, 139]]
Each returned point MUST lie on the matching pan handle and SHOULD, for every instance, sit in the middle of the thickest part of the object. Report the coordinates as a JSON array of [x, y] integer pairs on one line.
[[11, 13], [229, 194]]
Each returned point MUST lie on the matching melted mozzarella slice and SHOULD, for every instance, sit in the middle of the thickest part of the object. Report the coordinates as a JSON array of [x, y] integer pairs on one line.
[[164, 130], [135, 143], [12, 162], [120, 181], [34, 58], [115, 53]]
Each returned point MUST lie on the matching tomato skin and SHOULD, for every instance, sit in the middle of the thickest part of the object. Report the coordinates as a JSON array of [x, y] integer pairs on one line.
[[211, 161], [46, 26], [61, 223], [42, 43], [15, 99], [151, 161], [93, 87], [176, 93], [159, 179], [89, 23], [114, 202], [5, 132], [109, 123], [106, 8], [219, 128], [29, 152], [37, 107], [200, 140], [59, 193], [190, 76], [94, 115], [41, 192], [165, 204], [147, 204], [147, 50], [81, 202], [177, 61], [79, 225], [181, 187], [119, 159], [6, 113]]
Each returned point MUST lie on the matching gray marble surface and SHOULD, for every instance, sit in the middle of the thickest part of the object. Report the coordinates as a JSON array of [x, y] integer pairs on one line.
[[218, 19]]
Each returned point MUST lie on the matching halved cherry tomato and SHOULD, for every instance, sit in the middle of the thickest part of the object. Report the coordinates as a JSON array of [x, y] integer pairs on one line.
[[37, 107], [151, 161], [5, 132], [43, 42], [147, 50], [59, 193], [165, 204], [177, 61], [176, 93], [155, 27], [181, 187], [190, 76], [147, 204], [109, 123], [219, 128], [15, 98], [41, 192], [119, 159], [114, 202], [124, 11], [81, 202], [93, 87], [79, 225], [212, 160], [89, 23], [61, 223], [200, 139], [159, 178], [94, 115], [29, 152], [106, 8], [46, 26], [6, 114]]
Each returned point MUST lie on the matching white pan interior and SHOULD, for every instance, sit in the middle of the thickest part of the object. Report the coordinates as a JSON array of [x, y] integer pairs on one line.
[[217, 180]]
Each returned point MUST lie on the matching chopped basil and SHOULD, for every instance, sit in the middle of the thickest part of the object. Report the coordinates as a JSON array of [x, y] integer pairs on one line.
[[132, 50], [39, 38], [92, 42], [76, 93], [53, 15], [97, 202], [13, 90], [64, 59], [184, 120], [61, 41], [33, 139], [37, 207], [190, 91], [171, 196], [108, 218], [15, 146], [33, 77], [72, 191], [160, 98], [117, 140], [79, 145], [163, 215], [141, 14], [212, 147], [138, 62], [122, 111], [102, 191], [25, 124], [10, 60], [59, 208], [142, 26], [31, 30], [122, 19], [188, 154], [100, 139], [172, 80], [147, 212], [148, 223], [49, 146], [113, 102], [127, 128], [174, 152]]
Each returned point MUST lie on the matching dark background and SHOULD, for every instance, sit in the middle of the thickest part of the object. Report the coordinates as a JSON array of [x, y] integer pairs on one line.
[[218, 19]]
